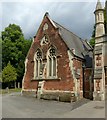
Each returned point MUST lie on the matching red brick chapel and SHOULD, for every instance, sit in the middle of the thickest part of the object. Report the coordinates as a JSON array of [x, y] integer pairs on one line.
[[59, 64]]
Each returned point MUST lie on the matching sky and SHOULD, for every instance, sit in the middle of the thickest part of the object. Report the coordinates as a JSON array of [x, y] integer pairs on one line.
[[77, 16]]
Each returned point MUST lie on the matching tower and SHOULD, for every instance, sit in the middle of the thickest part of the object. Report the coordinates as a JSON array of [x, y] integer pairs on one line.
[[99, 76]]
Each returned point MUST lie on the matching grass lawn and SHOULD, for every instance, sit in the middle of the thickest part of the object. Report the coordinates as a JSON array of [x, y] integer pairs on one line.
[[5, 91]]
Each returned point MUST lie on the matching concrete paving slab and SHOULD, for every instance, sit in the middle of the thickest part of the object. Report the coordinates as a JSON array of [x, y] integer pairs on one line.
[[92, 109]]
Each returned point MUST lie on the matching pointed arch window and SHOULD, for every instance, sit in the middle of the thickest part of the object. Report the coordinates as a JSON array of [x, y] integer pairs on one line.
[[38, 64], [52, 62]]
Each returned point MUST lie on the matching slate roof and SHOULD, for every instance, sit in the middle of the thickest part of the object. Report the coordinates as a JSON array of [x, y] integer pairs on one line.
[[73, 41]]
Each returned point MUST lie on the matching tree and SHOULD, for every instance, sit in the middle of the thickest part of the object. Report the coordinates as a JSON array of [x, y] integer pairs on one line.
[[0, 54], [0, 77], [14, 49], [11, 37], [92, 42], [9, 74], [12, 32]]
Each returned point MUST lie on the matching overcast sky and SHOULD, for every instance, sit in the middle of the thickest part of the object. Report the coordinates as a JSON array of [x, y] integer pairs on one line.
[[78, 17]]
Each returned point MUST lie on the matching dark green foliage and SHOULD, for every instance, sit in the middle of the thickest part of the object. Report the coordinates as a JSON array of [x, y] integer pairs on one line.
[[0, 77], [12, 32], [14, 49], [93, 33], [92, 42], [0, 55]]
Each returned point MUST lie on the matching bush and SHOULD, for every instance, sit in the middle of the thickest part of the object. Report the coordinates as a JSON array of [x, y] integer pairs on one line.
[[9, 74]]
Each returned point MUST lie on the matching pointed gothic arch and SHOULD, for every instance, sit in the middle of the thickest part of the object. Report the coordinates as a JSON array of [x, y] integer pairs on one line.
[[52, 62], [38, 63]]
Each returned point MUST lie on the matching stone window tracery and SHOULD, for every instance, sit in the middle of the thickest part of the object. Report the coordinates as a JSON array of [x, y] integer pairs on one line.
[[52, 62], [45, 40], [38, 64]]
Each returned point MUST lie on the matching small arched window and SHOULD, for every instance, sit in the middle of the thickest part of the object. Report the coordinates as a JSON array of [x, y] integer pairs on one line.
[[38, 64], [52, 62]]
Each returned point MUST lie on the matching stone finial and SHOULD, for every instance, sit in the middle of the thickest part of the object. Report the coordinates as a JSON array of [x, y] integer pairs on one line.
[[98, 6], [46, 14]]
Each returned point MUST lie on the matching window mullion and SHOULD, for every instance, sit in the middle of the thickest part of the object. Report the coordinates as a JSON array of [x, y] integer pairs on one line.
[[52, 66], [38, 68]]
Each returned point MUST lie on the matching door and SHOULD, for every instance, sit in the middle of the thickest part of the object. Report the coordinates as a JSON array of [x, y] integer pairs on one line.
[[88, 86]]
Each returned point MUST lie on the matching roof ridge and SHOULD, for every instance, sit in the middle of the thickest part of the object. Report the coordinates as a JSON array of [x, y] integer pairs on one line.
[[88, 44], [68, 30]]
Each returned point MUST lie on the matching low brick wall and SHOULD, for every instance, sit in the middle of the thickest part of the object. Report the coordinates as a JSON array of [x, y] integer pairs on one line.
[[63, 97], [57, 96]]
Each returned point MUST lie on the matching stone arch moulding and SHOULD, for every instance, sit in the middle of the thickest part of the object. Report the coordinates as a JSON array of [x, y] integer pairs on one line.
[[38, 63]]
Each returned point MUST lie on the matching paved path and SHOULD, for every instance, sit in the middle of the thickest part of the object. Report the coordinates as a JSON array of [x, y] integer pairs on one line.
[[16, 106], [90, 110]]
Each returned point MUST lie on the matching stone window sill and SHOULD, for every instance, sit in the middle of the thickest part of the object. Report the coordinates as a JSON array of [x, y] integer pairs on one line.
[[41, 79]]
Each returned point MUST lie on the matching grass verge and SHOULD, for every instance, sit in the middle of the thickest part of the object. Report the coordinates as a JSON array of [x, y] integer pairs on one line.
[[8, 91]]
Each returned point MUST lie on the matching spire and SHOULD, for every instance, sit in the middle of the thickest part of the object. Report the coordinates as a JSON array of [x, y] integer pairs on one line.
[[98, 6], [99, 20]]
